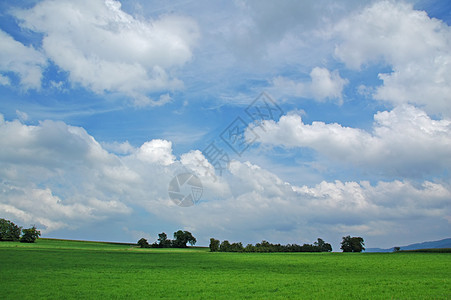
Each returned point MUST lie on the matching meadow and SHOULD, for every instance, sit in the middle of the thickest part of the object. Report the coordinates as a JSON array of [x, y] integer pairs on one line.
[[58, 269]]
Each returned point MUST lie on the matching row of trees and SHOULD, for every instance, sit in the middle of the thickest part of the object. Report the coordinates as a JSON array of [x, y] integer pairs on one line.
[[348, 244], [11, 232], [181, 238], [319, 246]]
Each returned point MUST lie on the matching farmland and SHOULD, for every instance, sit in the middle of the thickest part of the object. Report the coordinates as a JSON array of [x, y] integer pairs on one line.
[[73, 269]]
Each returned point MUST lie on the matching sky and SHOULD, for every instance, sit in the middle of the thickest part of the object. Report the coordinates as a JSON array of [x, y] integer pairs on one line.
[[281, 121]]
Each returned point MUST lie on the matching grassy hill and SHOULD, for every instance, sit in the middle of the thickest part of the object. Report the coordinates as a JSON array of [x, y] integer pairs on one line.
[[58, 269]]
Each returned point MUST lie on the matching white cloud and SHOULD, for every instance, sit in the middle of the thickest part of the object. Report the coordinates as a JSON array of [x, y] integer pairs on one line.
[[156, 151], [323, 85], [214, 185], [24, 61], [33, 205], [326, 84], [416, 47], [119, 148], [105, 49], [404, 141], [265, 207], [60, 178]]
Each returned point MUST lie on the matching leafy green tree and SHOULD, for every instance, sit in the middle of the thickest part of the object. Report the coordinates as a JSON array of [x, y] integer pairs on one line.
[[358, 244], [163, 241], [326, 248], [143, 243], [30, 235], [249, 248], [9, 231], [264, 246], [346, 244], [183, 237], [236, 247], [225, 246], [352, 244], [322, 245], [396, 249], [214, 245]]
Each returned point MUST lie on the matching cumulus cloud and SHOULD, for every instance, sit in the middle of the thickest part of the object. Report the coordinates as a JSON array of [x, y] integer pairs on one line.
[[105, 49], [26, 62], [156, 151], [404, 141], [324, 85], [266, 207], [60, 177], [415, 46], [53, 174]]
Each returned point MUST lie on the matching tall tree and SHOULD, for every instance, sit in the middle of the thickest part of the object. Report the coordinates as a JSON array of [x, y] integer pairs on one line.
[[183, 237], [214, 245]]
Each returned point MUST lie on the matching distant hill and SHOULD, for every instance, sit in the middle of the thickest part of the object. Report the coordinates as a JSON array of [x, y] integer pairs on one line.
[[445, 243]]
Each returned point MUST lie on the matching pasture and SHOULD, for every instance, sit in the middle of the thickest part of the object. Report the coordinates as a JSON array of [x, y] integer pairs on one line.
[[56, 269]]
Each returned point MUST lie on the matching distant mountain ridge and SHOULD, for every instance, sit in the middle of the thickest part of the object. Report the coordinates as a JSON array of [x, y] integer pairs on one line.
[[445, 243]]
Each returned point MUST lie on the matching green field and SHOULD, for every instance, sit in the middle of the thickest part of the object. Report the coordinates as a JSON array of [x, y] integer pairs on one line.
[[69, 269]]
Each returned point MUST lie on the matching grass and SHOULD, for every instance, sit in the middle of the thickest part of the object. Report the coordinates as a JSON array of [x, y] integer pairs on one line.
[[58, 269]]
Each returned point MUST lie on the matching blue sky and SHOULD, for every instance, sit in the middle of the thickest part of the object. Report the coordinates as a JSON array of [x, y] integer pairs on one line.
[[102, 103]]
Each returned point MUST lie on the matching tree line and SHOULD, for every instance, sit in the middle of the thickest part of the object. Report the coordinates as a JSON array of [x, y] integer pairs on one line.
[[225, 246], [348, 244], [181, 238], [11, 232]]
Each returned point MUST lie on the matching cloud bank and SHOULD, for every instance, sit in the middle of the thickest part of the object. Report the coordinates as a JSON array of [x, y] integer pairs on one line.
[[403, 142], [60, 177]]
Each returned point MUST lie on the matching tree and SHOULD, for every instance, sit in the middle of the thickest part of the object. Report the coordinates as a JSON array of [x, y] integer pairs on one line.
[[214, 245], [396, 249], [143, 243], [249, 248], [183, 237], [163, 241], [225, 246], [357, 244], [326, 248], [30, 235], [322, 245], [352, 244], [236, 247], [9, 231]]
